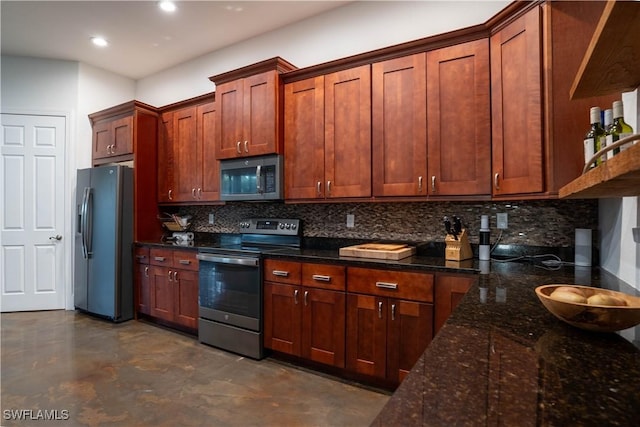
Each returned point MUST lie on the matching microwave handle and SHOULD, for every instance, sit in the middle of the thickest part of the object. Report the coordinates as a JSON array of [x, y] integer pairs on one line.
[[259, 179]]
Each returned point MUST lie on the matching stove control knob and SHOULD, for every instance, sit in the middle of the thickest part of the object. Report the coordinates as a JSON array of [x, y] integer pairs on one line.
[[288, 226], [293, 226], [282, 225]]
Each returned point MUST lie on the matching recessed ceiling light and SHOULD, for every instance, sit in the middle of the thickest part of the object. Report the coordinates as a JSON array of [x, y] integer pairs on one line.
[[167, 6], [99, 41]]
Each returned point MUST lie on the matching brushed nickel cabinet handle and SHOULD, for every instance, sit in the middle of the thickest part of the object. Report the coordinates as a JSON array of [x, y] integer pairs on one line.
[[380, 310], [170, 194], [280, 273], [160, 258], [170, 275], [386, 285], [113, 148], [140, 257], [321, 278], [295, 296], [319, 188], [185, 261], [246, 146], [495, 181], [146, 272], [199, 193], [306, 294], [328, 187], [433, 184], [420, 184], [175, 276], [238, 148], [393, 312], [193, 193]]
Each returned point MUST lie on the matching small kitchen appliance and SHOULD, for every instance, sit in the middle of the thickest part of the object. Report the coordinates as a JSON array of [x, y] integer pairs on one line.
[[230, 294]]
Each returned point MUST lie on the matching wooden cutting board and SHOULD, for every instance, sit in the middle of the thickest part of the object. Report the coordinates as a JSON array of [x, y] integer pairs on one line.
[[379, 251]]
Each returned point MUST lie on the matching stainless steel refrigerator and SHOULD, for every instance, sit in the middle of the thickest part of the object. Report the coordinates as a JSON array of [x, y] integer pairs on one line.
[[103, 282]]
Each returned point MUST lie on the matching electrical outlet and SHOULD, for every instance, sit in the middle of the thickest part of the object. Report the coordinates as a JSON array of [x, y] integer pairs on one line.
[[212, 218], [351, 221], [502, 221]]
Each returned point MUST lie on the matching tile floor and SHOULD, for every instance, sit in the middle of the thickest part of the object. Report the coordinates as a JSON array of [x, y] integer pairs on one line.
[[135, 374]]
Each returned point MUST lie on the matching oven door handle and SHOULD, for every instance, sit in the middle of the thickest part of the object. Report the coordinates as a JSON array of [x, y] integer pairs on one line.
[[250, 262]]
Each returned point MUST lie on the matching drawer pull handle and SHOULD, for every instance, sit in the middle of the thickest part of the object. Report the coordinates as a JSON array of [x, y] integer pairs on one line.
[[393, 312], [160, 258], [146, 272], [295, 296], [386, 285], [380, 310], [306, 294], [140, 256], [280, 273], [321, 278], [185, 261]]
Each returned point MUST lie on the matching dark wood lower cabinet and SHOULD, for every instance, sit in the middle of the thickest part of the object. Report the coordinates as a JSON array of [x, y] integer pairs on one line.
[[449, 291], [385, 336], [305, 322]]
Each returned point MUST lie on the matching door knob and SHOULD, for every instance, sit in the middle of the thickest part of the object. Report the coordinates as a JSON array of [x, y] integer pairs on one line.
[[58, 237]]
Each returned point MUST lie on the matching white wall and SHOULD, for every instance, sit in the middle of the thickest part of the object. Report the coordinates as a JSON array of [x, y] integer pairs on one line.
[[619, 254], [349, 30]]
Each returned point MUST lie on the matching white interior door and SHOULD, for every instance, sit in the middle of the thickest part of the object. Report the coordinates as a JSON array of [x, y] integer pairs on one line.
[[32, 212]]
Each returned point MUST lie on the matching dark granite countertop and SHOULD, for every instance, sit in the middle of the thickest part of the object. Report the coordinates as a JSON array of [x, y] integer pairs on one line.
[[502, 358], [505, 360]]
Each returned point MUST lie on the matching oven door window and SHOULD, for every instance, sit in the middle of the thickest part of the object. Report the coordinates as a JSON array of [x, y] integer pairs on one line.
[[230, 288]]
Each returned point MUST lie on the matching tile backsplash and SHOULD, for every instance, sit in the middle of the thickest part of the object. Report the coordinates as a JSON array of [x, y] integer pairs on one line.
[[549, 223]]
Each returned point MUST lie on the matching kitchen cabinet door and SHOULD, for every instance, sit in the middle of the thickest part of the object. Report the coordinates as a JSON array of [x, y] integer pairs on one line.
[[408, 334], [304, 139], [323, 326], [449, 290], [366, 335], [166, 190], [516, 102], [142, 281], [185, 284], [113, 137], [161, 293], [399, 109], [209, 180], [347, 133], [282, 318], [186, 163], [249, 111], [459, 120]]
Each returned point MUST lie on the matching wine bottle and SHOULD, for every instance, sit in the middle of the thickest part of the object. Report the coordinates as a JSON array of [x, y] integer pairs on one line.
[[593, 138], [608, 135], [619, 128]]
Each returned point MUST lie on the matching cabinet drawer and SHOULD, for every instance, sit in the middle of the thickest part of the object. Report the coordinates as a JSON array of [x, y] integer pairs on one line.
[[282, 271], [185, 259], [141, 255], [395, 284], [159, 256], [324, 276]]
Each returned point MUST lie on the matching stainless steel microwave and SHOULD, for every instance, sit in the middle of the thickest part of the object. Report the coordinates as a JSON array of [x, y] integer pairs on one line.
[[251, 179]]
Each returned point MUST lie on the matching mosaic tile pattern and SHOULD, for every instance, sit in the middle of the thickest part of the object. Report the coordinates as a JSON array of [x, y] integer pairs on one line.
[[535, 223]]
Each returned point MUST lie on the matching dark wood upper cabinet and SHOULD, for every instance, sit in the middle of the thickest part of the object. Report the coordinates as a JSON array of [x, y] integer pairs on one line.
[[399, 137], [459, 120]]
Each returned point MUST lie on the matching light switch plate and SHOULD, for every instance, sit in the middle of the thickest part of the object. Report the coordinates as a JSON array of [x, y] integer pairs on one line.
[[351, 221], [212, 218]]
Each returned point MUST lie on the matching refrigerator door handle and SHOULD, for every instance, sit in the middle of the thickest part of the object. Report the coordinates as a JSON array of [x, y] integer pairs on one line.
[[88, 220], [83, 222]]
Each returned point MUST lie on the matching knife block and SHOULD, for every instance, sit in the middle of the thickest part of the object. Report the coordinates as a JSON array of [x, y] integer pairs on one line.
[[458, 250]]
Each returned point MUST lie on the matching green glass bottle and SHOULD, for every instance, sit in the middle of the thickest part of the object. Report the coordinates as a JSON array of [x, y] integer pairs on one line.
[[594, 139], [608, 135], [619, 128]]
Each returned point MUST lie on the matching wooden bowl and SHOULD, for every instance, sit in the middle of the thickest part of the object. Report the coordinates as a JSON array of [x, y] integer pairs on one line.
[[600, 318]]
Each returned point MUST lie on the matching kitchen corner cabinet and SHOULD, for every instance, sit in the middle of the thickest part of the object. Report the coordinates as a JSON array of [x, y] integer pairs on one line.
[[436, 106], [537, 131], [304, 307], [187, 167], [328, 136], [173, 286], [449, 290], [250, 110], [389, 321]]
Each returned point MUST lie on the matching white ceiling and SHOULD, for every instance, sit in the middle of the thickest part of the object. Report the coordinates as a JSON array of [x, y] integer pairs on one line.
[[143, 40]]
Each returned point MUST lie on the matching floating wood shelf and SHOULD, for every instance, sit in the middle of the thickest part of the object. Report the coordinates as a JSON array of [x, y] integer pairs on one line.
[[612, 61], [617, 177]]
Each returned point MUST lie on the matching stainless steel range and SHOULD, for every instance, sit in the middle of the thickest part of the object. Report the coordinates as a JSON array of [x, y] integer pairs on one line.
[[230, 295]]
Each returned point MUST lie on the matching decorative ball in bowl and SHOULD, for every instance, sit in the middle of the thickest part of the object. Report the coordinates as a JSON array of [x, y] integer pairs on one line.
[[589, 308]]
